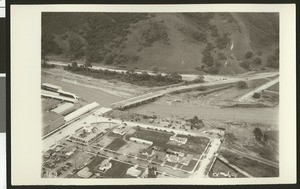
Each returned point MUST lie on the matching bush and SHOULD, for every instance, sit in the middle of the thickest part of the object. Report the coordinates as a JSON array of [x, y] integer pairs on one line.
[[242, 85], [257, 133], [245, 65], [257, 61], [248, 54], [256, 95]]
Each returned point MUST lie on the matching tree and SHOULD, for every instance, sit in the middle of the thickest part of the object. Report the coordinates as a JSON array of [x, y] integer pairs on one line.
[[88, 64], [256, 95], [152, 172], [74, 66], [257, 133], [176, 77], [242, 85]]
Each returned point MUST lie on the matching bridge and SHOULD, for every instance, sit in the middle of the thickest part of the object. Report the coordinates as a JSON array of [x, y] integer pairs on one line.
[[150, 97]]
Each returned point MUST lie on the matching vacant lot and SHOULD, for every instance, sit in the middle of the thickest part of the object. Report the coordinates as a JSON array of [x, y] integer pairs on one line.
[[116, 144], [94, 163], [118, 170], [221, 170], [159, 139], [190, 166], [254, 168]]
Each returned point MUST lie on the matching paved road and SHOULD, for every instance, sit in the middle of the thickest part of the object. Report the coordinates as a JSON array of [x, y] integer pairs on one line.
[[261, 160], [259, 89], [185, 77], [209, 156]]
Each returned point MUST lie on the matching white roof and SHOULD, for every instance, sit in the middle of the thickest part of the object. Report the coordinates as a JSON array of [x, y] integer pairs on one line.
[[51, 85], [60, 109], [81, 111]]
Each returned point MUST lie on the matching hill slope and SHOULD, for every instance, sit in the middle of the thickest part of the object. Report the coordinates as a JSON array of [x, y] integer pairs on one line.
[[216, 43]]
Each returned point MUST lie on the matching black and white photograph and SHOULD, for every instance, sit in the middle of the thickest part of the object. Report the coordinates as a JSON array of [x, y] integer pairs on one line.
[[134, 94], [160, 95]]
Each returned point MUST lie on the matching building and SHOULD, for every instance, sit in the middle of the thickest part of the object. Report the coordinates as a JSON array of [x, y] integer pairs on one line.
[[64, 109], [85, 136], [81, 111], [180, 140], [170, 151], [172, 158], [50, 87], [148, 152], [133, 171], [186, 159], [84, 173], [67, 94], [105, 165], [141, 141]]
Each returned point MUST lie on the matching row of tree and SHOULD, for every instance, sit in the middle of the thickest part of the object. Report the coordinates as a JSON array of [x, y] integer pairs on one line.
[[130, 76]]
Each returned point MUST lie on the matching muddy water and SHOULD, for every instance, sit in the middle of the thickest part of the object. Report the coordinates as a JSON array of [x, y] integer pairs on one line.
[[254, 115]]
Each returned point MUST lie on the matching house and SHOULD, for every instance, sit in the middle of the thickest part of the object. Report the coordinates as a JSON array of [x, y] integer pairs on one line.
[[180, 140], [84, 173], [133, 171], [105, 165]]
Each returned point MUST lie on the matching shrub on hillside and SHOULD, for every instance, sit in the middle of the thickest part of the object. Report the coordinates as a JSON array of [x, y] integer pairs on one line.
[[221, 56], [273, 60], [242, 85], [248, 54], [223, 41], [256, 95], [257, 61], [245, 65], [109, 59]]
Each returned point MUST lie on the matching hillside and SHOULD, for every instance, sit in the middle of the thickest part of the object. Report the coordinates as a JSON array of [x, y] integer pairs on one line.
[[216, 43]]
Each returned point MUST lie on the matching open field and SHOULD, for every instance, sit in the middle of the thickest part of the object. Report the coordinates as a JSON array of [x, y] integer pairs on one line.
[[254, 168], [221, 170], [263, 115], [116, 144]]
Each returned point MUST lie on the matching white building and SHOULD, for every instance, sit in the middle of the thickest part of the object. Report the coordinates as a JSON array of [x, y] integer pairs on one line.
[[141, 141]]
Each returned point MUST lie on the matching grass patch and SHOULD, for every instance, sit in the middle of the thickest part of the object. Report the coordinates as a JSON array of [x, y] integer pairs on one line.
[[219, 167], [118, 170], [190, 166], [252, 167]]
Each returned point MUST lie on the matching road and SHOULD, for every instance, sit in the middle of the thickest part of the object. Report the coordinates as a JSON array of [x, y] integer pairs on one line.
[[185, 77], [248, 96], [230, 80], [209, 155], [96, 117], [261, 160]]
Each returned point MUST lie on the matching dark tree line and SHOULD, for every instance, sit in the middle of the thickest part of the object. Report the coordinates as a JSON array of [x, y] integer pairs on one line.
[[130, 76]]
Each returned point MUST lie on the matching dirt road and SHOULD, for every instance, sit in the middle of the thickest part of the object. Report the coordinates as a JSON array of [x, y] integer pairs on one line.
[[248, 96]]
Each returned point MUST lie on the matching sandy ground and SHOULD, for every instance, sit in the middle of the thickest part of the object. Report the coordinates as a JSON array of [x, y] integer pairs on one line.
[[189, 110]]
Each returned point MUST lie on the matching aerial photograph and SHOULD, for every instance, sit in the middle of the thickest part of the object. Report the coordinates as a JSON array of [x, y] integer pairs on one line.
[[159, 95]]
